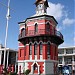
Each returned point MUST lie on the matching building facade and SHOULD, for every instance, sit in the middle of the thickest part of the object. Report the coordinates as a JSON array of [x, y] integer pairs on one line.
[[38, 42], [66, 56], [11, 56]]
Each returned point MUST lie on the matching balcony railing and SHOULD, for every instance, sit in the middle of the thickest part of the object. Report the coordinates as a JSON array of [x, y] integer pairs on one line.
[[41, 32]]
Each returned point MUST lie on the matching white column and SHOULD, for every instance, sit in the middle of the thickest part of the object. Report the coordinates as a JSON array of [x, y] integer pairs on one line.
[[16, 62], [7, 57], [31, 69], [15, 67], [38, 69], [64, 51], [63, 63], [73, 62]]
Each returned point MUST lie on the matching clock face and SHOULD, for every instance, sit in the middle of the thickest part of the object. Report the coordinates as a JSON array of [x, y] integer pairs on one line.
[[40, 6]]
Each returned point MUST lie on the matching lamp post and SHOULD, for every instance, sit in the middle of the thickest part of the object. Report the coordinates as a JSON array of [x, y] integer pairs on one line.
[[7, 17]]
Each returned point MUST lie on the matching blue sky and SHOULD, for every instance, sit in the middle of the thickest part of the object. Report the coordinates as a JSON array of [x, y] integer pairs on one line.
[[62, 10]]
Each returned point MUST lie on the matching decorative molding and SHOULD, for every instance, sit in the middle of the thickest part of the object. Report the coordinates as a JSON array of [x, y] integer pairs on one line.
[[19, 61], [37, 23]]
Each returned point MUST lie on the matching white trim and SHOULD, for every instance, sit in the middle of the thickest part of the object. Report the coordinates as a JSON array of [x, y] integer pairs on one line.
[[34, 24], [4, 49], [68, 47], [41, 42], [41, 57], [52, 24], [47, 22], [40, 24], [32, 67], [27, 44], [31, 43], [21, 46], [37, 61], [21, 28], [21, 24], [48, 42], [35, 57], [30, 57], [36, 42], [19, 42]]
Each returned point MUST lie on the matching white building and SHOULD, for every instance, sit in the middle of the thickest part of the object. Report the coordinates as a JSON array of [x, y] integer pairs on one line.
[[66, 56], [11, 56]]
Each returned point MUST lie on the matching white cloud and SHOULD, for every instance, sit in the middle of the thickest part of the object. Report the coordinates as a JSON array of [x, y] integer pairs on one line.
[[56, 10], [68, 21], [59, 28]]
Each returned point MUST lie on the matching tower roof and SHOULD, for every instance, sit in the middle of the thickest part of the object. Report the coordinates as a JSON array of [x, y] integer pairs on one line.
[[42, 1]]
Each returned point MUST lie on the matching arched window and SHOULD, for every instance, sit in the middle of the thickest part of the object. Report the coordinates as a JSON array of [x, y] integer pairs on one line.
[[35, 48], [48, 48], [48, 27], [23, 32], [36, 27], [41, 47], [30, 49]]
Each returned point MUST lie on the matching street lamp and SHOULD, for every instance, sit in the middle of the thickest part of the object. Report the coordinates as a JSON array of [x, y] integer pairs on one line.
[[7, 17]]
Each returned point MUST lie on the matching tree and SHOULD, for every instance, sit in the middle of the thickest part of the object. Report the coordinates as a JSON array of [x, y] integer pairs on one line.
[[27, 72]]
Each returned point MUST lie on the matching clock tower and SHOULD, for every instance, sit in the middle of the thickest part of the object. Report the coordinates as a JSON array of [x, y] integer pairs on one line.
[[38, 42], [41, 6]]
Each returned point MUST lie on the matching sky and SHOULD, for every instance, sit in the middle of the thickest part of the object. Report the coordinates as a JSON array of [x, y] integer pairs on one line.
[[62, 10]]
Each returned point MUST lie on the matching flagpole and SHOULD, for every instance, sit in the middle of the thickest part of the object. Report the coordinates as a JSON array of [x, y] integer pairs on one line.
[[7, 17]]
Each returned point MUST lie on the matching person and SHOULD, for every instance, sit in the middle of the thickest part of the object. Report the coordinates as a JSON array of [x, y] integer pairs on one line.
[[67, 72]]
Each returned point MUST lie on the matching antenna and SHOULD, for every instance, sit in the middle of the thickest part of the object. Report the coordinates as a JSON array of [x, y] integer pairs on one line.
[[7, 17], [6, 6]]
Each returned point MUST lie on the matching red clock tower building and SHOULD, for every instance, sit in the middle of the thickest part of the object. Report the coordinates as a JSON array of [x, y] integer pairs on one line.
[[38, 42]]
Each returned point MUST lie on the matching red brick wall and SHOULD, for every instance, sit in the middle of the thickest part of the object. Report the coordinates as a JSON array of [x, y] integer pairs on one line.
[[44, 51], [32, 52], [40, 26], [21, 53], [27, 52]]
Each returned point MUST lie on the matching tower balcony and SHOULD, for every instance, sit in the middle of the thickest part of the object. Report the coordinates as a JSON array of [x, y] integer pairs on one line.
[[56, 35]]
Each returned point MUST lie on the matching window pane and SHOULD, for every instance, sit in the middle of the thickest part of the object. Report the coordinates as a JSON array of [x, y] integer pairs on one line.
[[60, 60], [35, 49], [36, 27], [30, 49], [41, 47], [68, 60], [69, 51], [23, 32], [48, 48], [48, 27], [61, 51]]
